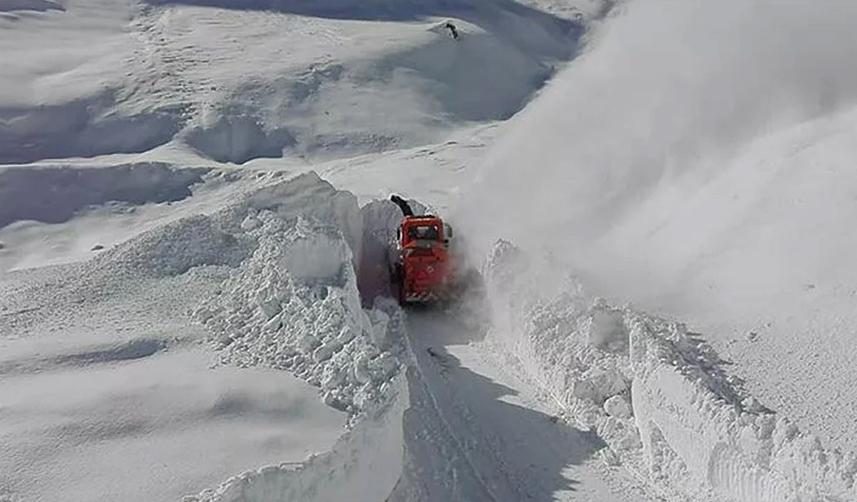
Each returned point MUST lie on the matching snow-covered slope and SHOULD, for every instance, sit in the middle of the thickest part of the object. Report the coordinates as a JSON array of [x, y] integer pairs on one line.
[[696, 160], [182, 298], [111, 358], [234, 81]]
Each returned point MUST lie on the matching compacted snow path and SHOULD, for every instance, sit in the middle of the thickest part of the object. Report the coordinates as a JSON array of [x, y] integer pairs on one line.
[[511, 443]]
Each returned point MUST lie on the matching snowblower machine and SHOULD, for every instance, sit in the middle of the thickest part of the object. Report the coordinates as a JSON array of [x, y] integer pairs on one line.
[[422, 269]]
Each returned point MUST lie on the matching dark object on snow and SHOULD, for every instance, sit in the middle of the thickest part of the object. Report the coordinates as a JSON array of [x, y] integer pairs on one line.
[[452, 29], [97, 247], [403, 205]]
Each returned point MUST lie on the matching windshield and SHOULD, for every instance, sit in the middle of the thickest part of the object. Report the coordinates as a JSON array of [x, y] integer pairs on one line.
[[423, 232]]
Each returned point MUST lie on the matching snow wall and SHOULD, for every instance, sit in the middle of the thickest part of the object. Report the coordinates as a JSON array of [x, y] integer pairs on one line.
[[656, 394], [306, 293], [286, 255]]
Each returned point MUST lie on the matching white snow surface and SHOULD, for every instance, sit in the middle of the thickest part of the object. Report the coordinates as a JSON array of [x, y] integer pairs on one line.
[[109, 394], [294, 304], [184, 313], [236, 81], [691, 430]]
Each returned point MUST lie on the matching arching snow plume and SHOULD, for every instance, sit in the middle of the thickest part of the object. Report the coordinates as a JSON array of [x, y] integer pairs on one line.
[[696, 160], [659, 102]]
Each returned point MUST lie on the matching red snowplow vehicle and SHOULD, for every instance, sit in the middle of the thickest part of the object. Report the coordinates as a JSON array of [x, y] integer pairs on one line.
[[422, 270]]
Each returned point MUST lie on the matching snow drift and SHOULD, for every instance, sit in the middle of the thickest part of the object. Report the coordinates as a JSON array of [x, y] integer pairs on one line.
[[291, 300], [53, 194], [656, 393], [364, 464], [293, 78]]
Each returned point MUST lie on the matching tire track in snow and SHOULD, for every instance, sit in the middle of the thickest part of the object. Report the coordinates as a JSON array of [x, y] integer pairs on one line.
[[419, 368], [515, 448]]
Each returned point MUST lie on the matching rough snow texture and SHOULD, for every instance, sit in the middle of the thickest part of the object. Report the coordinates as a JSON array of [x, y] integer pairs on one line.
[[107, 387], [294, 305], [292, 78], [363, 465], [279, 277], [690, 429], [291, 301]]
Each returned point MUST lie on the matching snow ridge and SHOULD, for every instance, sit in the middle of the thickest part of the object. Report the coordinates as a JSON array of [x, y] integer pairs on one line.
[[690, 430], [363, 465], [294, 305], [23, 193]]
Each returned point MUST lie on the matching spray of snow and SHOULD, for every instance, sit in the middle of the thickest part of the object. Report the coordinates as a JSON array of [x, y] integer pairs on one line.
[[661, 93], [697, 161]]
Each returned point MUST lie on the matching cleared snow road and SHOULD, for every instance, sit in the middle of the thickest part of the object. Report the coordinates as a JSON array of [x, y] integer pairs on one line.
[[502, 441]]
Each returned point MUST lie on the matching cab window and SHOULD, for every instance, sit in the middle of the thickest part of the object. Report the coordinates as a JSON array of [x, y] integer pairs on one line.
[[423, 232]]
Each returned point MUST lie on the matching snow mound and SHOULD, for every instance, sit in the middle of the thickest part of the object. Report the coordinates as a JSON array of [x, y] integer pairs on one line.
[[294, 305], [54, 194], [414, 74], [657, 395], [291, 300], [365, 464], [177, 247]]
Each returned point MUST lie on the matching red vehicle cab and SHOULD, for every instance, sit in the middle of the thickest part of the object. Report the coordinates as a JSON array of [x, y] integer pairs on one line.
[[424, 267]]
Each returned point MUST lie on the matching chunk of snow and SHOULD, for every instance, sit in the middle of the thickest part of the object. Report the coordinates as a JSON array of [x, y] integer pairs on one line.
[[618, 406]]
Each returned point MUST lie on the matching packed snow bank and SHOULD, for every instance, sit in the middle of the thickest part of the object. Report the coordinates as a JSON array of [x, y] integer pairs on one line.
[[291, 301], [365, 464], [55, 194], [108, 387], [167, 421], [295, 305], [656, 393], [272, 276]]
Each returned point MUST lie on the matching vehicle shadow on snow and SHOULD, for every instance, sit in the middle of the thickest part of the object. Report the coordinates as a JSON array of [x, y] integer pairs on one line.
[[481, 443]]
